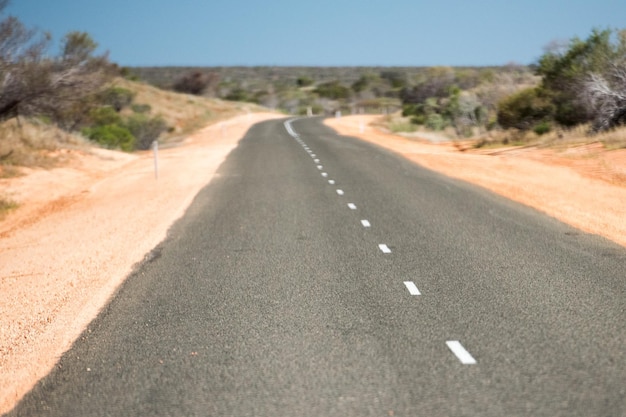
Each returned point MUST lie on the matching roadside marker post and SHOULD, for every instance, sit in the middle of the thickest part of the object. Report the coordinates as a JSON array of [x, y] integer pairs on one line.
[[155, 150]]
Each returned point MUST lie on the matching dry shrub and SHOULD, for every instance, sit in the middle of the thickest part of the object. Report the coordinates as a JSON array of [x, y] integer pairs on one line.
[[579, 135], [32, 143], [6, 205]]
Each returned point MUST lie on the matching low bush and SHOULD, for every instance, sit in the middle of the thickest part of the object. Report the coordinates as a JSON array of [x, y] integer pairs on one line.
[[116, 97], [525, 109], [333, 90], [145, 129], [6, 206], [542, 128], [435, 122], [111, 136], [105, 115]]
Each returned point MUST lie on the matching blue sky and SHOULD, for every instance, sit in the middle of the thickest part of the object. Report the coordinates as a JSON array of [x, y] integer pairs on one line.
[[322, 32]]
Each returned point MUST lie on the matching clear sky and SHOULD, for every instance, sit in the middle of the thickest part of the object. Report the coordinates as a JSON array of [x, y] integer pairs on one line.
[[322, 32]]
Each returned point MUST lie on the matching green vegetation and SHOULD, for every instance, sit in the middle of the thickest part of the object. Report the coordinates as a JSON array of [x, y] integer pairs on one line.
[[6, 205], [108, 127]]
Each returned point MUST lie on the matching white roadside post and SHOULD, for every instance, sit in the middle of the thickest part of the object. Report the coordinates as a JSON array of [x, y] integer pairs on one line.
[[155, 150], [309, 111]]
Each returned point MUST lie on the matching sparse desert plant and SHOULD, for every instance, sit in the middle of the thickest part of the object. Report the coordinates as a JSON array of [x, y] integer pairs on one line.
[[333, 90], [6, 205], [116, 97], [105, 115], [145, 129], [435, 121]]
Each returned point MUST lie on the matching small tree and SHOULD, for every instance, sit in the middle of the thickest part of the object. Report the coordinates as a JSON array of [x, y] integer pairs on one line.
[[607, 99], [32, 83]]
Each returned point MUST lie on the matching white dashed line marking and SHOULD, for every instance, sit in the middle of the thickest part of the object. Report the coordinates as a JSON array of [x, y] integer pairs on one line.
[[320, 167], [313, 155], [317, 161], [365, 223], [331, 182], [412, 288], [340, 192], [384, 248], [324, 174], [460, 352], [352, 206]]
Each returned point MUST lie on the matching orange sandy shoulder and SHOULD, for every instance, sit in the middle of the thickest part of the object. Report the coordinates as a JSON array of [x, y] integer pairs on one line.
[[583, 186], [78, 232]]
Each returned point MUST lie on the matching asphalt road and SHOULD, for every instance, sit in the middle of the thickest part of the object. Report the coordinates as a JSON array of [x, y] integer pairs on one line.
[[319, 275]]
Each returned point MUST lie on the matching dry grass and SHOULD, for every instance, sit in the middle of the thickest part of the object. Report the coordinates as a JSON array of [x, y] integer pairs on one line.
[[558, 138], [31, 143], [184, 113], [6, 205], [615, 139]]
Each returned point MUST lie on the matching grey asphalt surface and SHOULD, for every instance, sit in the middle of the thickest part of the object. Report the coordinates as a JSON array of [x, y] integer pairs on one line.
[[270, 298]]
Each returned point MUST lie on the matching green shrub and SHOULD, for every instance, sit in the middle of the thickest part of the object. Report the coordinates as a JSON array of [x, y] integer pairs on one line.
[[435, 122], [333, 90], [419, 119], [116, 97], [542, 128], [304, 81], [238, 94], [525, 109], [145, 129], [111, 136], [105, 115]]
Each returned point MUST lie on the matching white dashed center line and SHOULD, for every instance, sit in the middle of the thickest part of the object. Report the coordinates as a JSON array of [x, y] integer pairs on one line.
[[340, 192], [331, 182], [324, 174], [313, 155], [317, 161], [352, 206], [384, 248], [460, 352], [412, 288], [320, 167], [365, 223]]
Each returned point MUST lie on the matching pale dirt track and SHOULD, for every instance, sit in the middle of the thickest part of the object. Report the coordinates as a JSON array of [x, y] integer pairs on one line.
[[81, 228]]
